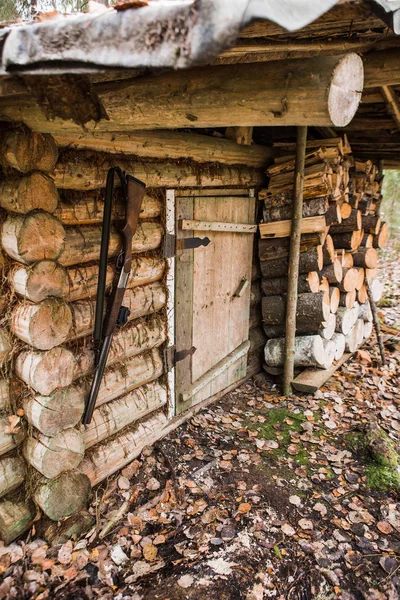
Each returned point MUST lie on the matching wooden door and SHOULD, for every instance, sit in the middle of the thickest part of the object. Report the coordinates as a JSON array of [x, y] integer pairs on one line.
[[212, 293]]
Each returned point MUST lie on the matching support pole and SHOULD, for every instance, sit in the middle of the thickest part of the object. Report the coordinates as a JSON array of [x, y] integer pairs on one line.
[[294, 258]]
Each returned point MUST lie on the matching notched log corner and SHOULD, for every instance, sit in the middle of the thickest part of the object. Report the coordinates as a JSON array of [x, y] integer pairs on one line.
[[69, 97]]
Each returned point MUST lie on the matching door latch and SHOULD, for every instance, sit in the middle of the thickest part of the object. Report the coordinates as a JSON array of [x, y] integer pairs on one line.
[[173, 356], [172, 244]]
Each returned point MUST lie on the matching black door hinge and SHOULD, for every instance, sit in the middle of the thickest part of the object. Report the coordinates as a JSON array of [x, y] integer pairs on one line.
[[172, 356], [172, 244]]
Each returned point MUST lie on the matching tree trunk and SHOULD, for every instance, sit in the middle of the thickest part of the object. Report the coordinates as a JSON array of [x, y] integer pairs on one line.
[[105, 459], [168, 145], [28, 151], [311, 260], [63, 496], [31, 192], [52, 456], [86, 208], [80, 171], [46, 278], [309, 352], [362, 295], [39, 236], [321, 91], [12, 474], [114, 416]]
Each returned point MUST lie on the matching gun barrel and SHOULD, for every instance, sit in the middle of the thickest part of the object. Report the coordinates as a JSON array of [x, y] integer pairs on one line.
[[98, 376]]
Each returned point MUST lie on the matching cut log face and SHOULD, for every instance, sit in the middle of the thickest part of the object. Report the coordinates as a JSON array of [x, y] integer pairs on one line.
[[365, 312], [329, 350], [52, 456], [340, 345], [347, 299], [334, 297], [114, 416], [24, 194], [380, 240], [345, 320], [15, 519], [368, 327], [46, 371], [63, 496], [376, 288], [105, 459], [43, 325], [327, 328], [52, 414], [343, 106], [28, 151], [351, 340], [309, 352], [362, 294], [12, 474], [349, 281], [40, 281]]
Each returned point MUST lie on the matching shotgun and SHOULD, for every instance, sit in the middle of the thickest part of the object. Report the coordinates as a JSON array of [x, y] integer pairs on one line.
[[116, 315]]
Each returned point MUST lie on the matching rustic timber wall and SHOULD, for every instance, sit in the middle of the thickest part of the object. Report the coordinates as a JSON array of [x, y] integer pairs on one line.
[[51, 201]]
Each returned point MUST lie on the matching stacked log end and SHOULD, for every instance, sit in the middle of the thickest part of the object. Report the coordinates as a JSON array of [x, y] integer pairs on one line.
[[52, 240], [341, 233]]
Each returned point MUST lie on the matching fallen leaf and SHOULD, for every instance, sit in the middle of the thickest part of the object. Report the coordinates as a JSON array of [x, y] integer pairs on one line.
[[288, 529], [295, 500], [384, 527], [185, 581], [245, 507], [306, 524]]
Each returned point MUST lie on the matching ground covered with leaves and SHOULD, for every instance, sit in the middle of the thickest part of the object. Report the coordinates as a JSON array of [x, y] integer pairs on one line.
[[258, 496]]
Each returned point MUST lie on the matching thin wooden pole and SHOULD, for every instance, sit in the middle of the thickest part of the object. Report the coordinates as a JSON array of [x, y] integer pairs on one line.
[[375, 320], [294, 258]]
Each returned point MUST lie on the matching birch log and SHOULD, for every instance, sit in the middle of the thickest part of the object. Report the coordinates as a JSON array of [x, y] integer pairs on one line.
[[52, 456], [31, 192], [40, 236], [105, 459], [309, 352], [114, 416], [329, 351], [12, 474], [64, 496], [86, 208], [327, 328], [15, 519], [48, 279], [28, 151], [345, 319]]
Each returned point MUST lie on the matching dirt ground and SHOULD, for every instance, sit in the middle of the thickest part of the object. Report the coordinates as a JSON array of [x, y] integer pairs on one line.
[[258, 496]]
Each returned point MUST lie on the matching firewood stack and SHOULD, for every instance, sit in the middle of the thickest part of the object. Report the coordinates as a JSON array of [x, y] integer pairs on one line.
[[341, 233]]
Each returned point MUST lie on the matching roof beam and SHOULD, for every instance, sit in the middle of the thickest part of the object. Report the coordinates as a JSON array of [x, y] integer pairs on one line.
[[392, 103]]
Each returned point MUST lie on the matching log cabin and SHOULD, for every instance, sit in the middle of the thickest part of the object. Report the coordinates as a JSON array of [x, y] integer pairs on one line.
[[201, 101]]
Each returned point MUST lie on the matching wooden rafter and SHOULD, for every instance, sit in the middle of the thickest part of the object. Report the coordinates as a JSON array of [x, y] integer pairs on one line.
[[392, 103]]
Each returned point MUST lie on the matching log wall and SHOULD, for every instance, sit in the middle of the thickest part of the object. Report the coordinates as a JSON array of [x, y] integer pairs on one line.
[[52, 208]]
